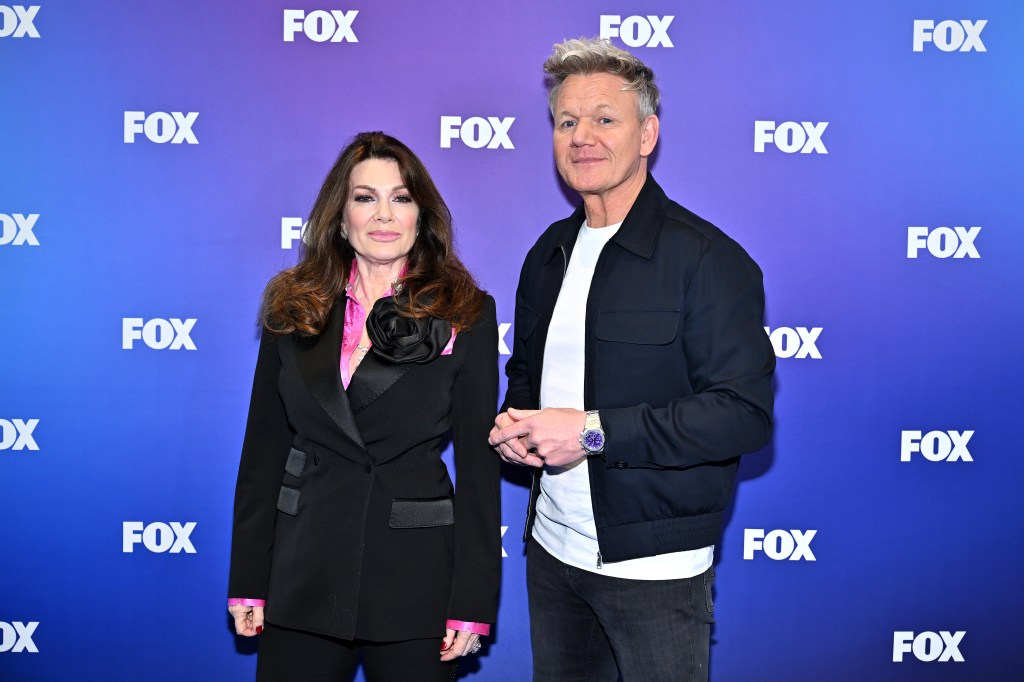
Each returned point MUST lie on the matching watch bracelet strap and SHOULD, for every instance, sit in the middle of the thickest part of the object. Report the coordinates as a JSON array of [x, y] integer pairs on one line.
[[592, 422]]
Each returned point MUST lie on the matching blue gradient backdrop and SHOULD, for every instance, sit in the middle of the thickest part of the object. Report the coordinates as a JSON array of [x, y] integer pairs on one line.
[[149, 230]]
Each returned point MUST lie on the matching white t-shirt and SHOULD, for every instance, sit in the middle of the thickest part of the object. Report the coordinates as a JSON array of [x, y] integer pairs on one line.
[[564, 523]]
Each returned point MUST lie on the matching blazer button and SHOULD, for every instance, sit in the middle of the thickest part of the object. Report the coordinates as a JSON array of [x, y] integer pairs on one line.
[[368, 468], [620, 465], [316, 460]]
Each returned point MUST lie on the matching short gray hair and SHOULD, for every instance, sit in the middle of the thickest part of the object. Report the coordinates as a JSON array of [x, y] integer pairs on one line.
[[587, 56]]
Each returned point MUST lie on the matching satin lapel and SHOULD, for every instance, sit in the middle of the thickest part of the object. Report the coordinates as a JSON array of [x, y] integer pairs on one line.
[[319, 361], [372, 378]]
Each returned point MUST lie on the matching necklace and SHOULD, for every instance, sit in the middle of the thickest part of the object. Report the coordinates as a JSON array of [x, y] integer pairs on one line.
[[350, 288], [363, 350]]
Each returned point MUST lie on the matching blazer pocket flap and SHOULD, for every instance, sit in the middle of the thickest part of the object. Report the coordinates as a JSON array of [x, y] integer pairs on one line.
[[652, 327], [418, 513], [296, 462], [288, 500]]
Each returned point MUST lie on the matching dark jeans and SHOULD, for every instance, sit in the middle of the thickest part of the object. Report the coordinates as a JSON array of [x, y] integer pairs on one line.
[[287, 655], [590, 627]]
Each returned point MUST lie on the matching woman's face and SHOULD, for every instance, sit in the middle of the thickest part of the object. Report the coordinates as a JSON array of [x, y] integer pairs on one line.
[[380, 216]]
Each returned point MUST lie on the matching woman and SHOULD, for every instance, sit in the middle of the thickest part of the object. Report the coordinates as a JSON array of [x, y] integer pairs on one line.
[[348, 538]]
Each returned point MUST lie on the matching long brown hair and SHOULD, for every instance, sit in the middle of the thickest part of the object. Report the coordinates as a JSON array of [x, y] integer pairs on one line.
[[436, 283]]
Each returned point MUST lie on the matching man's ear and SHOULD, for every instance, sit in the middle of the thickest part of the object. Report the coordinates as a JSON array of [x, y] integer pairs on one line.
[[649, 135]]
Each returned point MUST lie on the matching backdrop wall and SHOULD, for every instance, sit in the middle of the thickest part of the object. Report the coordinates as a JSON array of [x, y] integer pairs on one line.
[[157, 160]]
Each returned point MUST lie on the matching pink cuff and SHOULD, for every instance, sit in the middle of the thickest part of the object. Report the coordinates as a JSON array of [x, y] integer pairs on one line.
[[247, 602], [466, 626]]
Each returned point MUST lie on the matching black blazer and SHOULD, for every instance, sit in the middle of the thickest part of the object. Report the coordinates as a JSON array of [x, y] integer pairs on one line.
[[345, 517]]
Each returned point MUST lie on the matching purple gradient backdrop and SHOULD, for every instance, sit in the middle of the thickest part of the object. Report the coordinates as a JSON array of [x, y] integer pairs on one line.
[[194, 231]]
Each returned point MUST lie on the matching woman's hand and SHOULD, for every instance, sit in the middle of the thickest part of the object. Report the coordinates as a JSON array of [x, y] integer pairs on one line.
[[248, 619], [457, 644]]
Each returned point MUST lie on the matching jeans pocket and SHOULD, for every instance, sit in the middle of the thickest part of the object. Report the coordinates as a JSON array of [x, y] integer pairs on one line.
[[709, 584]]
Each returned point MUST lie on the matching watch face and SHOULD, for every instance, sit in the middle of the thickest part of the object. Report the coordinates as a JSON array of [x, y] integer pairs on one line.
[[593, 440]]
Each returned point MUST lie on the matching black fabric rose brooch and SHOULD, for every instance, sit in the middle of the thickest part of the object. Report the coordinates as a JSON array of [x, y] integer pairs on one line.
[[403, 339]]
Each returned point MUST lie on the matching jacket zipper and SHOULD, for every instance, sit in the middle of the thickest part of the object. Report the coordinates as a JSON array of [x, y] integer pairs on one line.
[[529, 513]]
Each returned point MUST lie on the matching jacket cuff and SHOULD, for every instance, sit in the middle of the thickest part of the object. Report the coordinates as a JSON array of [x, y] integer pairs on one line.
[[466, 626], [621, 439]]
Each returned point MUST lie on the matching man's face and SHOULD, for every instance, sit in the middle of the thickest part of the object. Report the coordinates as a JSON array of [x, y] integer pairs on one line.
[[600, 145]]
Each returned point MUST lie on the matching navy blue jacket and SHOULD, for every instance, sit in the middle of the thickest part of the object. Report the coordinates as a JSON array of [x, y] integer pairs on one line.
[[677, 361]]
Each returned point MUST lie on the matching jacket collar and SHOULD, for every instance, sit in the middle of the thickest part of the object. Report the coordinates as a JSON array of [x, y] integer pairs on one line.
[[640, 228], [318, 361], [371, 379]]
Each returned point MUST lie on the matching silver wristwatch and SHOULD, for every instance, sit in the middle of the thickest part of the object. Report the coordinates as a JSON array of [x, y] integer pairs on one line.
[[592, 436]]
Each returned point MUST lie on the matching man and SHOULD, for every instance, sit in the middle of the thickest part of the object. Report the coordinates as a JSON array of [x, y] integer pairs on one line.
[[638, 335]]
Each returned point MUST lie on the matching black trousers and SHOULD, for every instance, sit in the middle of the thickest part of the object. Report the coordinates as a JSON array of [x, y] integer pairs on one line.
[[587, 627], [296, 656]]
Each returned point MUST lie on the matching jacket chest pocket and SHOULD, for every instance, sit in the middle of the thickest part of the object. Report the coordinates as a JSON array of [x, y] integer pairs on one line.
[[639, 327], [639, 359]]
